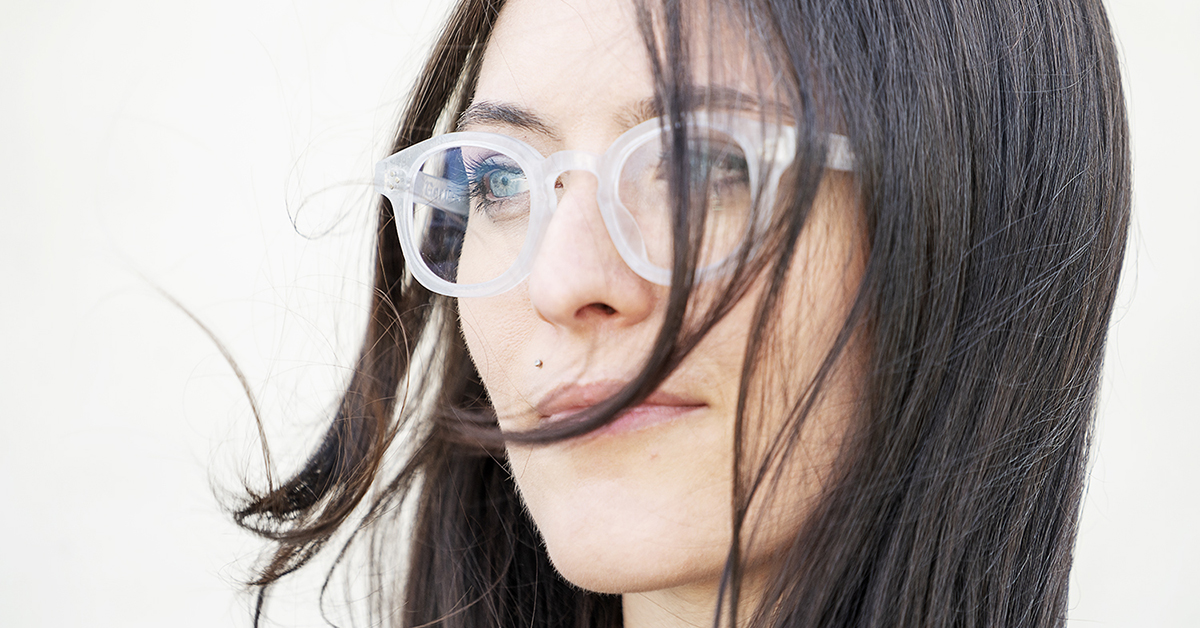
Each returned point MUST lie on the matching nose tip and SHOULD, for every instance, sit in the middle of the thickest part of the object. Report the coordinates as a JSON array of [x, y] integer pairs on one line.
[[578, 277]]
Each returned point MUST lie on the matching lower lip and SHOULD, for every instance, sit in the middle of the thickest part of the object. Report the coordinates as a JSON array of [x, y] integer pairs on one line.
[[639, 418]]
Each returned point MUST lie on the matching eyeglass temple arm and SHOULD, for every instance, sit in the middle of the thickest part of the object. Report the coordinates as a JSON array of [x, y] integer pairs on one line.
[[838, 155], [426, 189], [441, 193]]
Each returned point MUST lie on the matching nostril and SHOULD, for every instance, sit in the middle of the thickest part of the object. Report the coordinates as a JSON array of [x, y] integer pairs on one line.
[[560, 187], [602, 308]]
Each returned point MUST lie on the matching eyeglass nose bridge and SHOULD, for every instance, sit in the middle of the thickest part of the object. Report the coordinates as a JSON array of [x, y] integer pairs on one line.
[[570, 160], [622, 229]]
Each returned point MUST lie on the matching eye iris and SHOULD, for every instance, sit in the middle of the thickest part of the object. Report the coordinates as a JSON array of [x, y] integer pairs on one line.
[[504, 183]]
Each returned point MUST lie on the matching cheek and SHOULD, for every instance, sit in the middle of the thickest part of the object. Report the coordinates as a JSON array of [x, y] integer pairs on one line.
[[497, 332], [489, 249], [799, 456]]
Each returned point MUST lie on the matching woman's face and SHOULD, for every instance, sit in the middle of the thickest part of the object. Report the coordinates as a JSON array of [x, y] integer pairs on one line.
[[644, 503]]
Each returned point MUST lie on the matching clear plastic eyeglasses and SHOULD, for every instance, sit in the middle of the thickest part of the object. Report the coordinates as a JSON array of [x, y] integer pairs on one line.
[[471, 208]]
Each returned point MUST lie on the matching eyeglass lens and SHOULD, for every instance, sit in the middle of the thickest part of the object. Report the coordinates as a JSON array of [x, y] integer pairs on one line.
[[471, 213]]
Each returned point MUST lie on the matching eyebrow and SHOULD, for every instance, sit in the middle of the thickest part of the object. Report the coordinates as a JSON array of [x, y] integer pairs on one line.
[[486, 112], [712, 97]]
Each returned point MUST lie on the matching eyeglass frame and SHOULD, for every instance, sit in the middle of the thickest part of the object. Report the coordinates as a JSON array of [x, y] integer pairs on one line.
[[399, 178]]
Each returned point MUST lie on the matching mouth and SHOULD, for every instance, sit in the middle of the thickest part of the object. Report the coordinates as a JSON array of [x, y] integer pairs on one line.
[[658, 408]]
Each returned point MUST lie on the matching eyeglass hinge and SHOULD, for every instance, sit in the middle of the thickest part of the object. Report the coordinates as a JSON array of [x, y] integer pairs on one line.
[[393, 182]]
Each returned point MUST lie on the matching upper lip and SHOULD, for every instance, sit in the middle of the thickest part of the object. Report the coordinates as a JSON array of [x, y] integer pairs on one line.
[[575, 397]]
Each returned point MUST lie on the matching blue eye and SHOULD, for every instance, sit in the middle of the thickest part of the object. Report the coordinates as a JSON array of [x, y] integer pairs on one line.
[[494, 178], [498, 187], [504, 183]]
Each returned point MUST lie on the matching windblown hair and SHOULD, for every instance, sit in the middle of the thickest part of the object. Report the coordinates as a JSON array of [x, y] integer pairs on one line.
[[992, 167]]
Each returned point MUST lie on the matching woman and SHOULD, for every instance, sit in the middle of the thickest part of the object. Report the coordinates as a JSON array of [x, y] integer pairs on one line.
[[758, 313]]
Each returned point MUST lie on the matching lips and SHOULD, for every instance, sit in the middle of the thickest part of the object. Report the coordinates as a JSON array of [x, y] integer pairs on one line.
[[660, 406]]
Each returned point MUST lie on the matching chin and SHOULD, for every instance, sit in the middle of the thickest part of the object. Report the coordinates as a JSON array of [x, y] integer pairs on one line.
[[620, 565], [613, 536]]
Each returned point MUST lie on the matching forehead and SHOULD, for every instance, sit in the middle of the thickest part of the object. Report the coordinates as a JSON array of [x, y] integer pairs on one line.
[[576, 63], [582, 66]]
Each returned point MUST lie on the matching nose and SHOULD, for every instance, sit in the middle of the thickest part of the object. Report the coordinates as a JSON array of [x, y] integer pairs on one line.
[[578, 278]]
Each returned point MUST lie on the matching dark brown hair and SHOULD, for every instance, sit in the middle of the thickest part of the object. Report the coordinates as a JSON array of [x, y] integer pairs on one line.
[[993, 171]]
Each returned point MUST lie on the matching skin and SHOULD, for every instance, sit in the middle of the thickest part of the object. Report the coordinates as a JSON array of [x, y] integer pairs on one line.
[[643, 509]]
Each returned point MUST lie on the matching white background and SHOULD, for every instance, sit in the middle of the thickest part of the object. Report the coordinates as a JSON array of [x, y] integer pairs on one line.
[[221, 152]]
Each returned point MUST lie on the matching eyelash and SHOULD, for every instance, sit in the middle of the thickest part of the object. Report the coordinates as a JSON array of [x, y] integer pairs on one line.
[[478, 172]]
